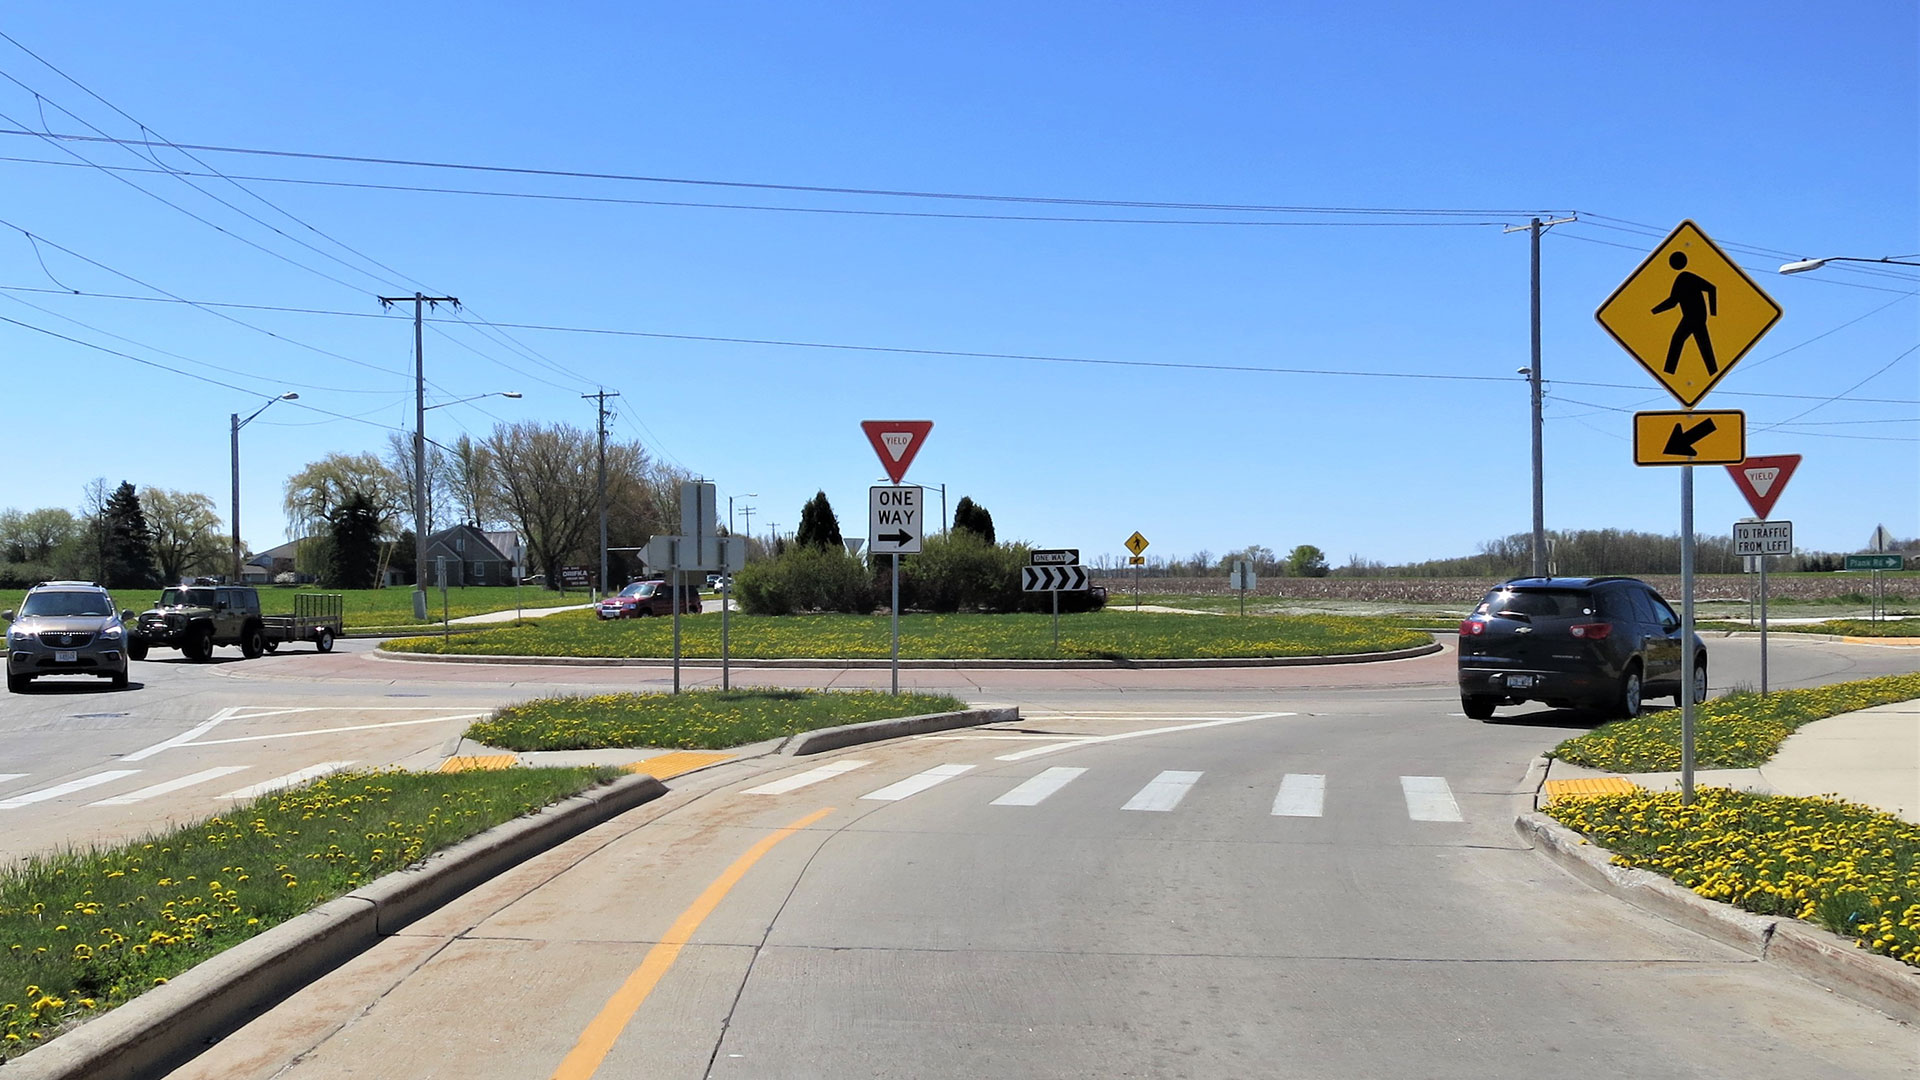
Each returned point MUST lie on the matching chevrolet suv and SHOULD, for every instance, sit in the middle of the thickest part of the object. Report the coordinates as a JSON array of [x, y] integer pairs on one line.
[[66, 628], [1602, 643]]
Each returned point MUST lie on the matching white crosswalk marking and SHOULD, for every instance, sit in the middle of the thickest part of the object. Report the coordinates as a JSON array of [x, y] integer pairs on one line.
[[1429, 798], [1301, 795], [6, 776], [162, 788], [811, 776], [1163, 792], [913, 785], [266, 787], [1033, 791], [67, 788]]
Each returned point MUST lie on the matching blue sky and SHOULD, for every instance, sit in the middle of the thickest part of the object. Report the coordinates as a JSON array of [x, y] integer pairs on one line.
[[1783, 130]]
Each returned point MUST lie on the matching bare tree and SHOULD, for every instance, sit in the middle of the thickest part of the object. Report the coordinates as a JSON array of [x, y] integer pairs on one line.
[[546, 480], [464, 472], [186, 532], [316, 491]]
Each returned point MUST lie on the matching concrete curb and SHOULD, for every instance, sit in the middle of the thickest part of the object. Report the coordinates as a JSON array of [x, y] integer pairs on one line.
[[168, 1025], [1828, 959], [834, 738], [922, 665]]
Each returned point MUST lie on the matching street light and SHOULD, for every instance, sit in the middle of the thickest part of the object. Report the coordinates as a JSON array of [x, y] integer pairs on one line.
[[237, 425], [476, 397], [1804, 265], [744, 495]]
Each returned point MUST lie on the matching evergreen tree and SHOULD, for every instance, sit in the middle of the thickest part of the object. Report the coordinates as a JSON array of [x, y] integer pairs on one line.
[[353, 556], [818, 525], [972, 517], [126, 543]]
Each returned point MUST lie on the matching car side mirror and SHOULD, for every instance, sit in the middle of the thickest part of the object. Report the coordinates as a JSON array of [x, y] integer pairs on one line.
[[7, 615], [126, 616]]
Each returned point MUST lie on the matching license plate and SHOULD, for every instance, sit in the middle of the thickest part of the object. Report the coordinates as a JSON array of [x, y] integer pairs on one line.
[[65, 656], [1520, 682]]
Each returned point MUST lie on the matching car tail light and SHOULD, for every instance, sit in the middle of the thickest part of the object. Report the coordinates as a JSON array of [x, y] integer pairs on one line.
[[1593, 631], [1472, 628]]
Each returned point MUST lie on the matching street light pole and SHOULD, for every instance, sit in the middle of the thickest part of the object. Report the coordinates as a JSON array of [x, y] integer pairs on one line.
[[419, 444], [1804, 265], [747, 495], [237, 425]]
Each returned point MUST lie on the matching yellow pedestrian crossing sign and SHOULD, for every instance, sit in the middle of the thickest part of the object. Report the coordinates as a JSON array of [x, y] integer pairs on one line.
[[1688, 314], [1136, 543]]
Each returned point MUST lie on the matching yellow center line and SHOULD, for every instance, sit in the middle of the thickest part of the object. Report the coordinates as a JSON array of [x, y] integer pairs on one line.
[[597, 1040]]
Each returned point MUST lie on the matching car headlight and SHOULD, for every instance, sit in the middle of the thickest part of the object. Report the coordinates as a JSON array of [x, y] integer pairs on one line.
[[111, 633], [15, 633]]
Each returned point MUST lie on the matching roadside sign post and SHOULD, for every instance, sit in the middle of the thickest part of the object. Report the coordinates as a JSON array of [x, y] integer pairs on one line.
[[1763, 480], [1136, 544], [519, 574], [1054, 570], [446, 624], [1243, 580], [733, 556], [897, 508], [1757, 540], [1687, 314]]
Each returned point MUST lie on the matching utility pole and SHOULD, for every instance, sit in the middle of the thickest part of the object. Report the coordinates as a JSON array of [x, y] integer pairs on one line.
[[419, 444], [601, 397], [747, 513], [1534, 384]]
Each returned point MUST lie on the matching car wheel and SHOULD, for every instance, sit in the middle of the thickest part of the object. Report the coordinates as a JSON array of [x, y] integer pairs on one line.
[[1627, 705], [1477, 706], [120, 679], [253, 643], [272, 645], [136, 650], [1699, 681], [17, 684], [323, 640], [199, 644]]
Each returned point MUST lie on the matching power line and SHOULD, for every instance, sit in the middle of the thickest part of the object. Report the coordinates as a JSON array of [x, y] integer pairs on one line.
[[1250, 208]]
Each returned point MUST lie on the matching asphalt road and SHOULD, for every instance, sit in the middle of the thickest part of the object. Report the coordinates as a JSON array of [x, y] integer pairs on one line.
[[1250, 872]]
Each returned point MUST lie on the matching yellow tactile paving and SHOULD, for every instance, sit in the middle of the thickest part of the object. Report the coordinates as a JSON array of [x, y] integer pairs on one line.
[[1592, 785], [479, 761], [667, 766]]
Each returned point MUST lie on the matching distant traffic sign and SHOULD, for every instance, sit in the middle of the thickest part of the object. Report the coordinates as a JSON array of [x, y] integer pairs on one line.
[[1136, 543], [1875, 562], [1690, 438], [1136, 560], [896, 441], [1053, 578], [1054, 557], [894, 520], [1763, 538], [1762, 479], [1688, 314], [1241, 576]]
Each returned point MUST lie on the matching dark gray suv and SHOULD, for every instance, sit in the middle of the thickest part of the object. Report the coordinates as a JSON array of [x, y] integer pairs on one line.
[[66, 628], [1601, 643]]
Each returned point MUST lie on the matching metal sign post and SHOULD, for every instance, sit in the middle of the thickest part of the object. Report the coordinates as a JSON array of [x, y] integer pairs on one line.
[[895, 653], [1759, 539], [1686, 634]]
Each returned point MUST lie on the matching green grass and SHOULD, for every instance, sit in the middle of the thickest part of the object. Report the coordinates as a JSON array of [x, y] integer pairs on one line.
[[1739, 731], [1099, 634], [1896, 628], [83, 931], [698, 720], [1850, 868], [364, 609]]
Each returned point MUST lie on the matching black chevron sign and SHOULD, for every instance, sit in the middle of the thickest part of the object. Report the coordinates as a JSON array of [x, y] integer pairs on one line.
[[1053, 579]]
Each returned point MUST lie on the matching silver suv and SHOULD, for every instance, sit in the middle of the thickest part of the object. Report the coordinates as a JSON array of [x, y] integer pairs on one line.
[[66, 628]]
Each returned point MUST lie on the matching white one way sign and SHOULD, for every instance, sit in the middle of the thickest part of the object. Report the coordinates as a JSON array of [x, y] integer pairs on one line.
[[894, 521]]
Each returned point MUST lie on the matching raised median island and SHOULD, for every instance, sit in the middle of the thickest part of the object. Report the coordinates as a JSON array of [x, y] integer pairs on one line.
[[1100, 636]]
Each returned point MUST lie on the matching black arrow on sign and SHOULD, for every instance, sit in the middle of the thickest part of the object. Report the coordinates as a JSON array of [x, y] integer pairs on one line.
[[1680, 443], [899, 537]]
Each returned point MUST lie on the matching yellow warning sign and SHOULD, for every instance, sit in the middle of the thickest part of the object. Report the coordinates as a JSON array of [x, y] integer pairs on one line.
[[1688, 314], [1690, 438], [1136, 543]]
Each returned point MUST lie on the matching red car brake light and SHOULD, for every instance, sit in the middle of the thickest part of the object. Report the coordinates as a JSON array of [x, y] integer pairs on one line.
[[1596, 631], [1472, 628]]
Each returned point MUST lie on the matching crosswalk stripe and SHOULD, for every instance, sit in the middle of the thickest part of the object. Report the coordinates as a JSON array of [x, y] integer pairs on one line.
[[1163, 792], [913, 785], [67, 788], [1301, 795], [1036, 789], [301, 776], [6, 776], [162, 788], [812, 776], [1429, 798]]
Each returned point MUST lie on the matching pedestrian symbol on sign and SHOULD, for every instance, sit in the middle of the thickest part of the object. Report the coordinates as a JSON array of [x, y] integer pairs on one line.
[[1697, 299]]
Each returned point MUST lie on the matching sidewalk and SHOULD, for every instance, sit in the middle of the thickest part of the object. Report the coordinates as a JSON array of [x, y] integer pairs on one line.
[[1871, 757]]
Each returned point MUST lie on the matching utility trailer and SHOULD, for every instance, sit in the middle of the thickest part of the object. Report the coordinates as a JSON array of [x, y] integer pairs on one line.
[[316, 617]]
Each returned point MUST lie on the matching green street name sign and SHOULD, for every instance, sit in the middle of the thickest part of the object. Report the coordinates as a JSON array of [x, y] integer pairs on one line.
[[1875, 562]]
